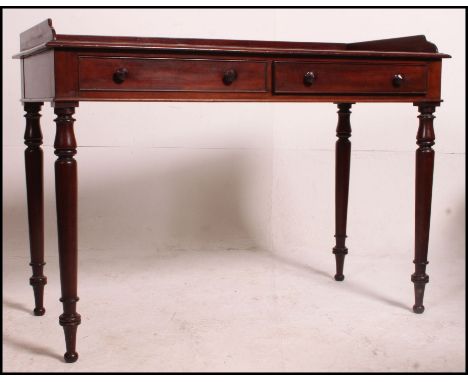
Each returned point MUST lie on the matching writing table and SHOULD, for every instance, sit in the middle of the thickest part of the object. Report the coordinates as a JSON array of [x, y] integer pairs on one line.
[[68, 69]]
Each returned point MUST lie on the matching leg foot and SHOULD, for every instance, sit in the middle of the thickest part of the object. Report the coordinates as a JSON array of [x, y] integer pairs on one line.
[[418, 309], [70, 324], [39, 311], [339, 257], [70, 357], [339, 277], [38, 283], [419, 282]]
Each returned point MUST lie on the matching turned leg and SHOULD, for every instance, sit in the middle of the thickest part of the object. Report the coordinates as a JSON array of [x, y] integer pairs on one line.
[[35, 195], [342, 163], [424, 172], [66, 195]]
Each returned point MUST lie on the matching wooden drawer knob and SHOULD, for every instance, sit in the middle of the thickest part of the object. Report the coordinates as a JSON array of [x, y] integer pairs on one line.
[[120, 75], [309, 78], [229, 76], [397, 80]]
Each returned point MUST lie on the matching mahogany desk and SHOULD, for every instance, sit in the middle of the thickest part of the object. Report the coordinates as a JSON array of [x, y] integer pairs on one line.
[[67, 69]]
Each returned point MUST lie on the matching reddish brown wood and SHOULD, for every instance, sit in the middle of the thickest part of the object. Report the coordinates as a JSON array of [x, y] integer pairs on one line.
[[67, 87], [66, 189], [213, 47], [160, 74], [342, 166], [424, 174], [434, 81], [411, 46], [66, 69], [401, 44], [35, 194], [389, 55], [349, 77]]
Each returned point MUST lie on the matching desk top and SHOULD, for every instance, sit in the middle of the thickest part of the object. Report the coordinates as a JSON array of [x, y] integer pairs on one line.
[[73, 68], [43, 36]]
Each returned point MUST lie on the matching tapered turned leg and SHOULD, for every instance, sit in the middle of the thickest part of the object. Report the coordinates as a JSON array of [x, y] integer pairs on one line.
[[424, 172], [342, 163], [35, 195], [66, 195]]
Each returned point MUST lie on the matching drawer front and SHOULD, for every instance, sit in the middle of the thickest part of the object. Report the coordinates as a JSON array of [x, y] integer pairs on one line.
[[172, 75], [349, 78]]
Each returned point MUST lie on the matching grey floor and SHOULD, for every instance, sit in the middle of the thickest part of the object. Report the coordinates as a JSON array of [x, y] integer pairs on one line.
[[238, 311]]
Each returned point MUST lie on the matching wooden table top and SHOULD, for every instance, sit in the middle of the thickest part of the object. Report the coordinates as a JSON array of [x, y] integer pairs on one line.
[[43, 36]]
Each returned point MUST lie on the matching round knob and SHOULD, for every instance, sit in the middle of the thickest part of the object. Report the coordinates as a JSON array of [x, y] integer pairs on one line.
[[309, 78], [229, 76], [397, 80], [120, 75]]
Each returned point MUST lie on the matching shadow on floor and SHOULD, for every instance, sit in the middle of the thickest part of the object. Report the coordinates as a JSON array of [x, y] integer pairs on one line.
[[31, 348], [17, 306], [364, 291], [25, 345], [348, 286]]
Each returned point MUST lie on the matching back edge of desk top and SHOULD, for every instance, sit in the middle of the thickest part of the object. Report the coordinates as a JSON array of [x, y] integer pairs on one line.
[[43, 36]]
